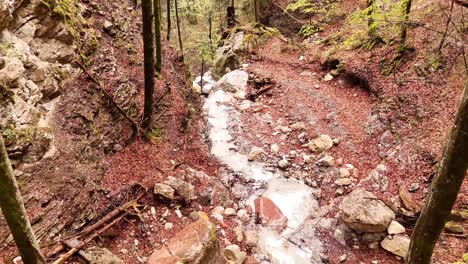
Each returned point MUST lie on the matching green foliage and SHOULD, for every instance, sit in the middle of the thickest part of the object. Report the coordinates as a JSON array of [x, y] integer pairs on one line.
[[313, 7], [24, 135], [309, 29], [258, 34]]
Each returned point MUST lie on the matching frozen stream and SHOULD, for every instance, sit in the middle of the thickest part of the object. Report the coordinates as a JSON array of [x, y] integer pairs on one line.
[[293, 198]]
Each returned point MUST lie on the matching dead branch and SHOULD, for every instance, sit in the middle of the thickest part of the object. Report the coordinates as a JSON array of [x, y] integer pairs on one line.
[[91, 238], [135, 126], [461, 2]]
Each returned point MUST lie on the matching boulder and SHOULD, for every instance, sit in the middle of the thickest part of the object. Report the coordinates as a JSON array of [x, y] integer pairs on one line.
[[362, 211], [268, 213], [228, 55], [234, 81], [395, 228], [320, 143], [164, 191], [12, 71], [397, 244], [195, 244], [182, 188]]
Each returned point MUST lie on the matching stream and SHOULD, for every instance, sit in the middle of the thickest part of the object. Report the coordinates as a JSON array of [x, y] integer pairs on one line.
[[292, 197]]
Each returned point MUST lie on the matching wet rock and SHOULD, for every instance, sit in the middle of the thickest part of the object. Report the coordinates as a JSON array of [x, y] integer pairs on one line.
[[254, 153], [326, 161], [164, 190], [182, 188], [268, 213], [234, 254], [395, 228], [251, 238], [320, 143], [397, 244], [233, 82], [97, 255], [362, 211], [195, 244]]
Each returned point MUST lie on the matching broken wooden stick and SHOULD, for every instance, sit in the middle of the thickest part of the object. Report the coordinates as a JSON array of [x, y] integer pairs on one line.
[[91, 238], [135, 125]]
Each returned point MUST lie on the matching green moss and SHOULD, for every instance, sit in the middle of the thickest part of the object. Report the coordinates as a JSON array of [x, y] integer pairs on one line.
[[25, 135], [257, 34], [69, 11]]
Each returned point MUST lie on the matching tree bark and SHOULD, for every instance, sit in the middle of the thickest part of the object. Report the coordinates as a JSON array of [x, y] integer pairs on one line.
[[449, 19], [148, 50], [14, 212], [157, 34], [255, 11], [168, 11], [178, 29], [406, 8], [444, 191]]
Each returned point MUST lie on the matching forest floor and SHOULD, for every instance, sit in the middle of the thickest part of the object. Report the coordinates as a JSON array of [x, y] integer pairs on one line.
[[97, 161]]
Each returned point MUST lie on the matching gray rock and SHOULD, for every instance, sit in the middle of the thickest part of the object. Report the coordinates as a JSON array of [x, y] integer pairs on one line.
[[97, 255], [251, 238], [182, 188], [397, 244], [320, 143], [395, 228], [233, 82], [164, 190], [362, 211], [233, 253]]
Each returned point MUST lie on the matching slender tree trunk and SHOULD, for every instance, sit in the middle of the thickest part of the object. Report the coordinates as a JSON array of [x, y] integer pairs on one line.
[[178, 29], [157, 33], [14, 212], [148, 50], [406, 8], [255, 11], [168, 10], [444, 191], [449, 19], [210, 29], [370, 20], [202, 71]]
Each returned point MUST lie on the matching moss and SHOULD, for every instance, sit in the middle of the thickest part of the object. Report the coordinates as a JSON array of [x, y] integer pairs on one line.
[[25, 135], [5, 94], [69, 11], [258, 34]]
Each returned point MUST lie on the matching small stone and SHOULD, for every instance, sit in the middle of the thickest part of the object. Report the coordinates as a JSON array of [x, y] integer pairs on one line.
[[107, 25], [335, 72], [243, 215], [343, 182], [413, 187], [183, 188], [339, 236], [275, 148], [283, 164], [194, 216], [373, 245], [343, 258], [326, 161], [336, 141], [238, 231], [301, 58], [164, 190], [233, 253], [344, 173], [168, 226], [397, 244], [255, 153], [316, 86], [285, 129], [320, 143], [307, 158], [298, 126], [328, 77], [251, 238], [395, 228], [229, 212]]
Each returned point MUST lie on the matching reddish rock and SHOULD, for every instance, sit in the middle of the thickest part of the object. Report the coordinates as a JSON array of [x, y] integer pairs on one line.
[[267, 212], [195, 244]]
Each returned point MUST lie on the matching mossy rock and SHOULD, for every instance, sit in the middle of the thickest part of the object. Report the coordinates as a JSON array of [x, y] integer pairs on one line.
[[453, 227]]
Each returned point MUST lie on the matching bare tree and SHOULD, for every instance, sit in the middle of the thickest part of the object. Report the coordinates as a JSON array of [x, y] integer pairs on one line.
[[157, 34], [451, 173], [13, 209], [168, 14], [178, 29], [148, 50]]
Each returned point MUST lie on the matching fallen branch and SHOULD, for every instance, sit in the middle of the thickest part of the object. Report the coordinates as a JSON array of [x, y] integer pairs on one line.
[[460, 2], [91, 238], [135, 126]]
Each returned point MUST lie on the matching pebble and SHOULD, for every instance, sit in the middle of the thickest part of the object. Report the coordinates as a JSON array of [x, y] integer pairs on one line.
[[275, 148], [251, 238], [283, 164], [229, 212], [343, 258], [395, 228], [343, 182], [168, 226], [344, 173], [326, 161], [413, 187]]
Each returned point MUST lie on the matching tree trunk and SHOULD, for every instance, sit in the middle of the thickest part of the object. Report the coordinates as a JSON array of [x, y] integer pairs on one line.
[[178, 29], [157, 33], [370, 20], [449, 19], [148, 50], [255, 11], [14, 212], [168, 11], [202, 71], [444, 191], [406, 8]]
